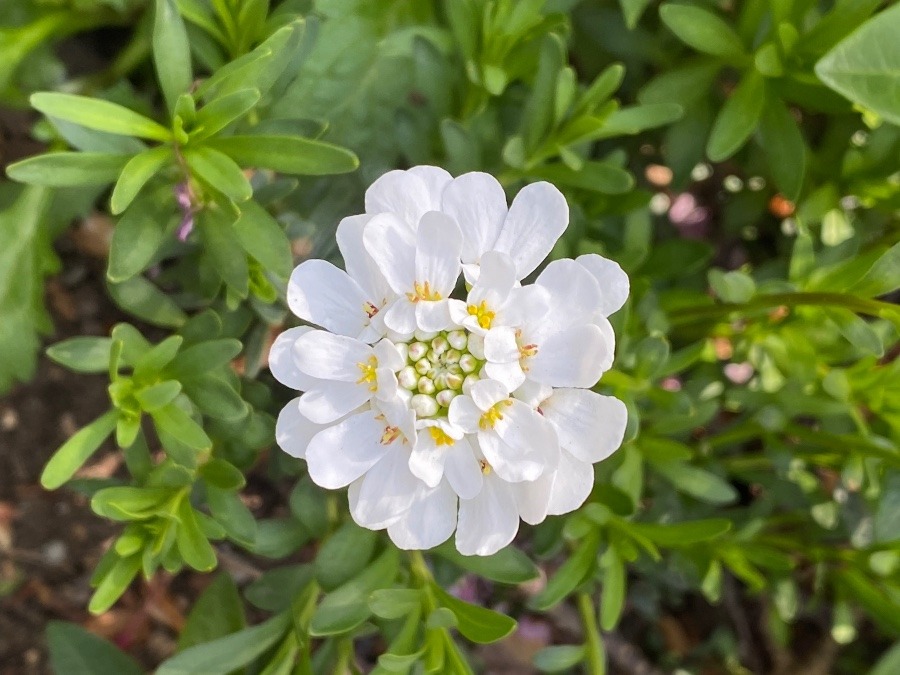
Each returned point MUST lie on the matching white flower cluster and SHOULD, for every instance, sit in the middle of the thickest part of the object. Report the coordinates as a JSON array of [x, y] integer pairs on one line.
[[445, 414]]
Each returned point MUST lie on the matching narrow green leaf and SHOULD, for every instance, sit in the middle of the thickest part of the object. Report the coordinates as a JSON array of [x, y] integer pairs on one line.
[[344, 555], [76, 651], [156, 358], [559, 658], [191, 541], [264, 239], [573, 571], [738, 118], [140, 169], [115, 582], [697, 482], [136, 238], [287, 154], [857, 331], [508, 566], [702, 30], [224, 248], [95, 113], [131, 503], [216, 613], [395, 603], [76, 451], [141, 298], [682, 534], [228, 509], [175, 422], [82, 354], [784, 147], [156, 396], [882, 277], [604, 177], [171, 52], [220, 112], [637, 118], [219, 172], [222, 474], [612, 596], [538, 113], [478, 624], [68, 169], [199, 359]]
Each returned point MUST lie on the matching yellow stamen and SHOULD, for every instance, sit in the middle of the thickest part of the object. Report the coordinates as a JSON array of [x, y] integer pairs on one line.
[[440, 436], [481, 312], [423, 291], [368, 373], [390, 435], [528, 350], [491, 416], [370, 309], [485, 467]]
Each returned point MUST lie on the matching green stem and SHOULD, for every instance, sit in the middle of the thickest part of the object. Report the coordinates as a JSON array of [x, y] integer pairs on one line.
[[768, 301], [596, 657]]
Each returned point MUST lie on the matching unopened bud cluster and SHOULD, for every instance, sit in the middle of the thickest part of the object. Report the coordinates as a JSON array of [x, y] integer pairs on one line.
[[439, 367]]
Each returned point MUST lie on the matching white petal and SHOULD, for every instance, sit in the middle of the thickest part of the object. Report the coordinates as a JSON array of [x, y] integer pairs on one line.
[[477, 202], [614, 284], [510, 463], [500, 345], [426, 461], [497, 276], [510, 375], [574, 357], [331, 357], [533, 393], [433, 316], [538, 216], [331, 400], [531, 439], [533, 497], [436, 181], [401, 193], [340, 454], [387, 355], [462, 470], [609, 336], [485, 393], [392, 246], [387, 490], [358, 262], [589, 426], [489, 521], [464, 414], [293, 431], [576, 296], [458, 310], [282, 364], [400, 316], [322, 294], [429, 522], [572, 484], [438, 243]]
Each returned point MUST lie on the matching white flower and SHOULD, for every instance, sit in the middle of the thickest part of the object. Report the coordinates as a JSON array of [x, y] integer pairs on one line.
[[443, 414]]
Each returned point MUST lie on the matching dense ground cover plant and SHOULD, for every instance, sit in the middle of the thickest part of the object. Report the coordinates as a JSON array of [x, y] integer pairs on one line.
[[738, 160]]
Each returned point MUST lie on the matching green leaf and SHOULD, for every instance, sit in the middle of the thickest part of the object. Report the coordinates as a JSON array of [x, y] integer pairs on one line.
[[395, 603], [199, 359], [136, 238], [637, 118], [734, 286], [559, 658], [140, 169], [347, 607], [76, 651], [478, 624], [174, 421], [865, 67], [131, 503], [276, 589], [95, 113], [508, 566], [264, 239], [682, 534], [572, 572], [216, 613], [883, 276], [784, 147], [738, 118], [144, 300], [612, 597], [219, 172], [223, 475], [68, 169], [225, 250], [537, 116], [76, 451], [82, 354], [222, 111], [157, 357], [603, 177], [287, 154], [889, 663], [697, 482], [344, 554], [278, 537], [116, 580], [157, 395], [171, 52], [878, 603], [224, 655], [191, 540], [857, 331], [702, 30], [234, 516]]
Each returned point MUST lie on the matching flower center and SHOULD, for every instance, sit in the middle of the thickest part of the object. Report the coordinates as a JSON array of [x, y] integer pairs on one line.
[[492, 415], [423, 291], [481, 312], [368, 373], [438, 366], [440, 436]]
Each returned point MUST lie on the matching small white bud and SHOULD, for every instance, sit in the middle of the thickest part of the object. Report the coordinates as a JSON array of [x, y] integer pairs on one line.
[[424, 406], [468, 363], [403, 350], [425, 385], [423, 366], [468, 382], [416, 351], [432, 356], [457, 339], [408, 377], [452, 356], [424, 336], [444, 397], [439, 345], [453, 380]]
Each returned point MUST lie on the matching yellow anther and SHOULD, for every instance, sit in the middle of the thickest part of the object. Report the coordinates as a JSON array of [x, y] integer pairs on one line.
[[370, 309], [390, 435], [485, 467], [423, 291], [440, 436], [528, 350], [368, 373], [481, 312], [492, 415]]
